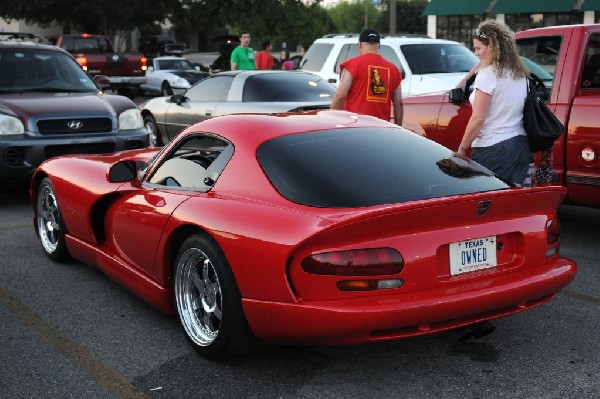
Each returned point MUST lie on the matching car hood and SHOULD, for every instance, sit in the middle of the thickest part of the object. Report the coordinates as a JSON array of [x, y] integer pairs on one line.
[[28, 104]]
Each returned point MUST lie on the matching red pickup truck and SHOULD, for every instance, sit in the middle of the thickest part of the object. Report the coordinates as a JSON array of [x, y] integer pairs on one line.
[[96, 55], [567, 61]]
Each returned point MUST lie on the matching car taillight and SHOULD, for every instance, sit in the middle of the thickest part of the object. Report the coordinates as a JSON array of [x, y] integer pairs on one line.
[[358, 262], [552, 237], [552, 231], [144, 62], [83, 62]]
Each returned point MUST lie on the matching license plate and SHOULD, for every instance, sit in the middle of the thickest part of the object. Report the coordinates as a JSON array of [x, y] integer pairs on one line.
[[472, 255]]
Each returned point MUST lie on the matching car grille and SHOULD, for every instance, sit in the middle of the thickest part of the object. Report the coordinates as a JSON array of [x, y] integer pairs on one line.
[[74, 125], [93, 148]]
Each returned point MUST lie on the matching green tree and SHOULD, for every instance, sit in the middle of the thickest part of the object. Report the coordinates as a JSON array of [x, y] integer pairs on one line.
[[98, 16], [408, 17], [350, 16], [291, 21]]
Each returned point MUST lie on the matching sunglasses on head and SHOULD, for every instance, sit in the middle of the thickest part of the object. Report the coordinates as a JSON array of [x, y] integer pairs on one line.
[[479, 34]]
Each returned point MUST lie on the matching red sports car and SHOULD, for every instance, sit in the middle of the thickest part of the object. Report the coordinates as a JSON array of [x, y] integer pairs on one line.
[[322, 227]]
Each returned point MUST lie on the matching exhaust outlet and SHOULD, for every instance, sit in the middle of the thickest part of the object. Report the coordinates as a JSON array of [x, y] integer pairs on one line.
[[478, 330]]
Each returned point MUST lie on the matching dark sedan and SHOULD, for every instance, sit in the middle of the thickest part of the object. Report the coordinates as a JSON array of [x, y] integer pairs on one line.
[[234, 92]]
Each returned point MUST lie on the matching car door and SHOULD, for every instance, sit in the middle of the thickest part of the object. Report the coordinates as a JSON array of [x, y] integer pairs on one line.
[[198, 103], [135, 224], [136, 221]]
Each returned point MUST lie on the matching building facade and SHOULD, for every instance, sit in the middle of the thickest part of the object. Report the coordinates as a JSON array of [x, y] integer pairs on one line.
[[457, 19]]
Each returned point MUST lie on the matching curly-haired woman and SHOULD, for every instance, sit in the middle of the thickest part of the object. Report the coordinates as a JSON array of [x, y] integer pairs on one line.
[[495, 130]]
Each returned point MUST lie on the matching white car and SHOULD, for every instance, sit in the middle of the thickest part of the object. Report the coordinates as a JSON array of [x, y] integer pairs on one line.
[[171, 75], [427, 65]]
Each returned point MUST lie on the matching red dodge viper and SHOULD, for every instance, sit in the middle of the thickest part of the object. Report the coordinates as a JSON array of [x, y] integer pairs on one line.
[[323, 227]]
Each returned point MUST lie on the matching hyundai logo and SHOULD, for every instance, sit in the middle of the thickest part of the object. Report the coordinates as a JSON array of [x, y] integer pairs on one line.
[[483, 207], [75, 125]]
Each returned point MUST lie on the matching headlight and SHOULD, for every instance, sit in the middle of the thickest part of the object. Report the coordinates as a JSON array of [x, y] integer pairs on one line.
[[131, 119], [11, 125]]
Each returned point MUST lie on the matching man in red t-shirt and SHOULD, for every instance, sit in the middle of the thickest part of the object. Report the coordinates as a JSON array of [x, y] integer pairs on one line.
[[370, 84], [264, 59]]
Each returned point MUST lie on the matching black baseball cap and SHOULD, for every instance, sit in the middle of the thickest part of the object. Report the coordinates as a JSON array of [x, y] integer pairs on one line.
[[369, 36]]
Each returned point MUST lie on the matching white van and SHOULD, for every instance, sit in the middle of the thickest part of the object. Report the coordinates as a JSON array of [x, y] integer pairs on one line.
[[427, 65]]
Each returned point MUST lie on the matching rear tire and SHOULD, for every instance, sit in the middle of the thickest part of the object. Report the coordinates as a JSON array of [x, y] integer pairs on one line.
[[153, 132], [208, 301], [50, 224]]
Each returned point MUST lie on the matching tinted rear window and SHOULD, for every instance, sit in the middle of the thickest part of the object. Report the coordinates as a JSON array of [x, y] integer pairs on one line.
[[287, 87], [366, 167]]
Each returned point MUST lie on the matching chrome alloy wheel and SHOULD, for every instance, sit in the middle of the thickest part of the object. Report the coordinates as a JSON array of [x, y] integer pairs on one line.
[[48, 219], [152, 131], [198, 297]]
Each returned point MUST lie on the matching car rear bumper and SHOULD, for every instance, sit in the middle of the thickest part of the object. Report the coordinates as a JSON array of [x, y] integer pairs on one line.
[[19, 158], [124, 81], [351, 321]]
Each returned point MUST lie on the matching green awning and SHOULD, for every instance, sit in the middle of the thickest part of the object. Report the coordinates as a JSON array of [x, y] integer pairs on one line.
[[532, 6], [590, 5], [456, 7]]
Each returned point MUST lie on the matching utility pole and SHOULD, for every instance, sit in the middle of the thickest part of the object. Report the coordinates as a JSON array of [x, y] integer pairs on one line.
[[392, 5]]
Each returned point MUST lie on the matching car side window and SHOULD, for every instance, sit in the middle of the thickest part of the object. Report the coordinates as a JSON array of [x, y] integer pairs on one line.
[[348, 51], [195, 163], [213, 88], [590, 78], [316, 56], [389, 54], [540, 55]]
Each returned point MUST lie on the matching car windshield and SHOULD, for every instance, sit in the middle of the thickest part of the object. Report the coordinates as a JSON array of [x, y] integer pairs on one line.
[[179, 64], [30, 70], [438, 58], [368, 166], [287, 87]]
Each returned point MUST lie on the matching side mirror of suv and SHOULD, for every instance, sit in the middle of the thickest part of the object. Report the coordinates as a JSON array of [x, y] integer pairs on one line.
[[456, 96]]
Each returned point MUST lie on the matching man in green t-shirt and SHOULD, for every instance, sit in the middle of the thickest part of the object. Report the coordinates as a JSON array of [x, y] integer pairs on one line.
[[242, 56]]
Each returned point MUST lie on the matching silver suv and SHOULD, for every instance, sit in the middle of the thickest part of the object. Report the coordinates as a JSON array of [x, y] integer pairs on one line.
[[427, 65]]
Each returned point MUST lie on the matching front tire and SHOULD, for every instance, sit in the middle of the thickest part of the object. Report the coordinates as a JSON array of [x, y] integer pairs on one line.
[[208, 301], [166, 89], [50, 224]]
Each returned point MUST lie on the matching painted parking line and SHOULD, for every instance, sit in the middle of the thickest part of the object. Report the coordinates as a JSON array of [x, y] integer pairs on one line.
[[16, 227], [581, 296], [99, 371]]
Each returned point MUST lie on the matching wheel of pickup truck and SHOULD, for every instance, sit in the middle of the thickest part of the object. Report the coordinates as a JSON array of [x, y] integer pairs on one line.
[[153, 132], [166, 89]]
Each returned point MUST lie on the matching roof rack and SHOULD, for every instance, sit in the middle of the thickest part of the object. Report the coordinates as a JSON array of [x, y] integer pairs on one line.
[[329, 35], [23, 37], [383, 35]]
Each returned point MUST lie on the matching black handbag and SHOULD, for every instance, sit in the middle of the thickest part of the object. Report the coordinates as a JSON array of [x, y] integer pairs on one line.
[[540, 123]]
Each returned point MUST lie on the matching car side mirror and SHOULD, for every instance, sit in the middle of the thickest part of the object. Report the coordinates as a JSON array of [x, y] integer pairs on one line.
[[122, 171], [102, 81], [177, 99], [456, 96]]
